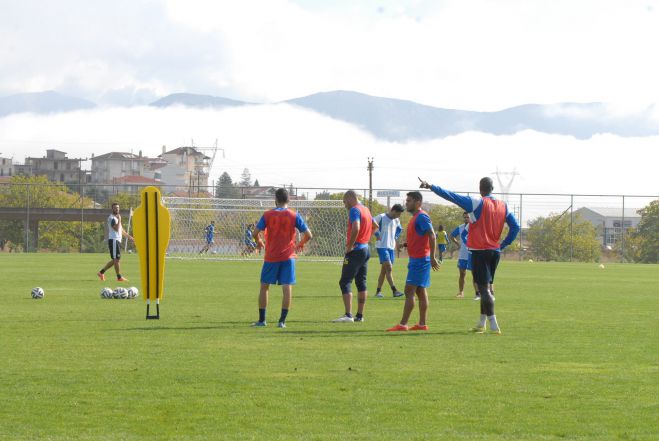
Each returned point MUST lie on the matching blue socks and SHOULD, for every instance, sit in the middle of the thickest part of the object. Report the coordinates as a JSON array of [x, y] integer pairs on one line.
[[261, 314]]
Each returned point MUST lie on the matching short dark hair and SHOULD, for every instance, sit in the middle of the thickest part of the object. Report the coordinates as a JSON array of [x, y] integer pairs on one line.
[[416, 195], [113, 204], [397, 207], [281, 195], [486, 185], [441, 227]]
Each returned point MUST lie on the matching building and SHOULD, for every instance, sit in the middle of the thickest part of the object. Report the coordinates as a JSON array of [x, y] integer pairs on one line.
[[186, 168], [55, 166], [6, 167], [133, 184], [111, 166], [610, 222]]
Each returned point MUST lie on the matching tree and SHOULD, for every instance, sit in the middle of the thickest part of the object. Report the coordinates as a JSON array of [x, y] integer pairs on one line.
[[245, 178], [225, 188], [256, 183], [38, 192], [552, 238], [646, 237]]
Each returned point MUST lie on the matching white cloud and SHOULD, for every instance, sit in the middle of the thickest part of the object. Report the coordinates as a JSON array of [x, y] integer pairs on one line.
[[475, 54], [284, 144]]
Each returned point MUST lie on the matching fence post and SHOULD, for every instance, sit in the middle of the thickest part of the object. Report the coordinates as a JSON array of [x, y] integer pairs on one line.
[[571, 227], [82, 215], [521, 228], [622, 233], [27, 221]]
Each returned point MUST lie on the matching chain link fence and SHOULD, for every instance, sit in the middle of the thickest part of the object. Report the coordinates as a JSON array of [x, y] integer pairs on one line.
[[50, 217]]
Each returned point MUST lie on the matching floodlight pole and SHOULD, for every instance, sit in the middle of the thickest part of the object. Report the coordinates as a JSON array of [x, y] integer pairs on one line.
[[370, 183]]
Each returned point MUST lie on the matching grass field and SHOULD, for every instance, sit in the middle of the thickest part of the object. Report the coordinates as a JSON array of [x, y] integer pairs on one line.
[[578, 358]]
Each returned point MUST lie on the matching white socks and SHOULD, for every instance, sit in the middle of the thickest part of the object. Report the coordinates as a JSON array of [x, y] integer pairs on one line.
[[481, 322], [494, 326]]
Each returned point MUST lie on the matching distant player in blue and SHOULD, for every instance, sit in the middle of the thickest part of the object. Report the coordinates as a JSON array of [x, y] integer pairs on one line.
[[442, 241], [209, 232], [250, 244], [459, 237]]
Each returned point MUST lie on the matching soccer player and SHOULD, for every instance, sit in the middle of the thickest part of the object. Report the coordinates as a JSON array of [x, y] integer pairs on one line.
[[209, 231], [115, 234], [250, 244], [280, 225], [442, 241], [486, 216], [355, 262], [387, 229], [421, 249], [459, 237]]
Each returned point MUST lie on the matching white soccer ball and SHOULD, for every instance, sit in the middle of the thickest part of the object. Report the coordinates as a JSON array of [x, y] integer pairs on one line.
[[37, 293], [106, 293], [602, 265], [530, 260], [133, 292], [120, 293]]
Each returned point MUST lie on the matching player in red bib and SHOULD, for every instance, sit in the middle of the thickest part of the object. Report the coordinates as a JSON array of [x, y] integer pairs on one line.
[[355, 262], [421, 250], [280, 226]]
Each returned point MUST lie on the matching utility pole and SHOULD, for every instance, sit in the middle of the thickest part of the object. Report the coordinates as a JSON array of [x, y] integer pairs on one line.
[[370, 183], [505, 187]]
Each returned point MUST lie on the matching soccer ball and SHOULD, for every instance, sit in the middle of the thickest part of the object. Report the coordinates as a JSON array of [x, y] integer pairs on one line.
[[132, 292], [120, 293], [106, 293], [37, 293]]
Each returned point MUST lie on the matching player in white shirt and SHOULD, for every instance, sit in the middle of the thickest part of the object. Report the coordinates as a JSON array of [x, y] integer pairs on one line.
[[459, 237], [115, 234], [387, 228]]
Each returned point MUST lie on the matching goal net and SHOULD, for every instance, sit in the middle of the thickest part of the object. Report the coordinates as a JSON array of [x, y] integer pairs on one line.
[[327, 220]]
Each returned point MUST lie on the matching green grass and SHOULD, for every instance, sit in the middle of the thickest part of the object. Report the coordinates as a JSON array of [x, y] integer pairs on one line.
[[578, 358]]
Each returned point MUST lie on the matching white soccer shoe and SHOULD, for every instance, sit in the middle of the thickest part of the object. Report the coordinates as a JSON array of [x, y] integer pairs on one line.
[[379, 296], [344, 319]]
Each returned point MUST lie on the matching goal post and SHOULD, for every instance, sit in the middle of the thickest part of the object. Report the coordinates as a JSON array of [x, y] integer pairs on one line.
[[327, 220]]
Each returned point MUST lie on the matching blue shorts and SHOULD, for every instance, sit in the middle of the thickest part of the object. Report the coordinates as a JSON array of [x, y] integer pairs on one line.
[[386, 255], [418, 272], [465, 264], [279, 273], [442, 247]]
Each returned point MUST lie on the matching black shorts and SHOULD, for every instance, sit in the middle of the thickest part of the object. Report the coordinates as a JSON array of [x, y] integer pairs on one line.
[[355, 267], [483, 265], [115, 249]]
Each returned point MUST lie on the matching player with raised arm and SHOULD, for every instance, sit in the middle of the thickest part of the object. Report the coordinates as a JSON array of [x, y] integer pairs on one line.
[[115, 234], [459, 237], [387, 229], [421, 250], [209, 232], [280, 225], [355, 262], [487, 217]]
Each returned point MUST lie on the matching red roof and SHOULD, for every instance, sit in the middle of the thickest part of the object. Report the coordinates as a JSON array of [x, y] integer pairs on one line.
[[136, 180]]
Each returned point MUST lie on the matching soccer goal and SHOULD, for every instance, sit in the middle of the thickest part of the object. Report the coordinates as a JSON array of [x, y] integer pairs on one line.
[[235, 218]]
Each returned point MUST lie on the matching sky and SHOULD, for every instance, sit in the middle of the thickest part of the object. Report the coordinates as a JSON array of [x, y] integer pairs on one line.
[[463, 54]]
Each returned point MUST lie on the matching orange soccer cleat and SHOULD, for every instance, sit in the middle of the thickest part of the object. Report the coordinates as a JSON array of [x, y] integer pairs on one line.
[[122, 279], [398, 327], [101, 276], [419, 327]]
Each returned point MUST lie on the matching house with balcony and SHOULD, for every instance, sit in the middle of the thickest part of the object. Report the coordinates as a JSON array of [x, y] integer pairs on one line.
[[56, 166]]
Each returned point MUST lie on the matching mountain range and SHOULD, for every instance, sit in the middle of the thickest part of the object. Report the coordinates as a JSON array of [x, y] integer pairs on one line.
[[399, 120]]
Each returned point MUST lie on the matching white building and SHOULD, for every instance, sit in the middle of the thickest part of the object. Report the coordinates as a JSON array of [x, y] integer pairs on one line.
[[109, 167], [610, 222], [6, 167], [186, 169]]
